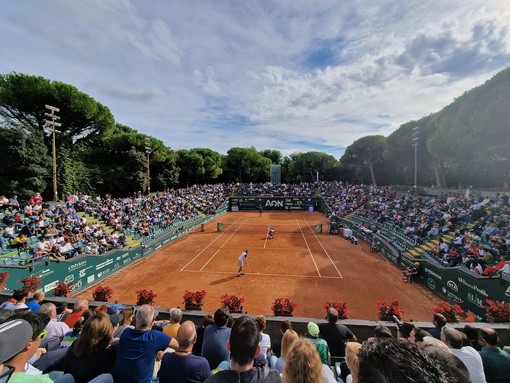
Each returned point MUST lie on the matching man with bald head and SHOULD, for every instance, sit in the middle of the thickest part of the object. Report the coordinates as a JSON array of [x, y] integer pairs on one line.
[[335, 334], [496, 362], [182, 365]]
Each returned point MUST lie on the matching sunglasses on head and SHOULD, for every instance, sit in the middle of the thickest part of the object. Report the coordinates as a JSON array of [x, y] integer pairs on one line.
[[43, 333]]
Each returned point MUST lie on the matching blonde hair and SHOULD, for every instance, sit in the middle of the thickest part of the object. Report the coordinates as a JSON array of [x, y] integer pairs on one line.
[[351, 358], [303, 364], [289, 337]]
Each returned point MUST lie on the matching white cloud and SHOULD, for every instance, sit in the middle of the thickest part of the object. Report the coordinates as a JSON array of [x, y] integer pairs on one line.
[[290, 75]]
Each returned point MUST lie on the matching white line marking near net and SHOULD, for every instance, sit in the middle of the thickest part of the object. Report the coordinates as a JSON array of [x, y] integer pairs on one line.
[[308, 247], [325, 251], [262, 274]]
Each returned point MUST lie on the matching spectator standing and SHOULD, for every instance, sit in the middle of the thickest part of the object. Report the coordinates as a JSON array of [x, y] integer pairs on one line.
[[496, 362], [265, 340], [138, 348], [243, 344], [214, 348], [335, 334], [181, 365]]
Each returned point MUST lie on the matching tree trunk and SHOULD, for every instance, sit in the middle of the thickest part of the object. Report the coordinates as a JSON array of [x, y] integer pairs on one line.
[[372, 174]]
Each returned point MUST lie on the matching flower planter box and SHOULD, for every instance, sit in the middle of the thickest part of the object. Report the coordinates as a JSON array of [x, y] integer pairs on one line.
[[239, 310], [193, 308], [386, 319], [491, 319], [280, 314]]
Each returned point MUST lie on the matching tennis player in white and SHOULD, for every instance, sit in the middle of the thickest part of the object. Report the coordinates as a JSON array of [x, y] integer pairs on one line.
[[243, 257]]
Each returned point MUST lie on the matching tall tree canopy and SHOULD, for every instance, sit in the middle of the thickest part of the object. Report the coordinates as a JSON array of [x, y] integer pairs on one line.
[[246, 165], [304, 167], [365, 153]]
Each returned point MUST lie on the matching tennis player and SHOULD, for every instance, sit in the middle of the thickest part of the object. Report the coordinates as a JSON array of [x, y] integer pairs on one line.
[[242, 258], [270, 233]]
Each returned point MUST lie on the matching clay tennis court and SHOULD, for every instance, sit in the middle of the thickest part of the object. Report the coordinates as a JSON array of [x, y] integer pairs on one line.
[[298, 263]]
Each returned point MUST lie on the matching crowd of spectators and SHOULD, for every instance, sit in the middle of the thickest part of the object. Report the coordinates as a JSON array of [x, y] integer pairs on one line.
[[85, 345]]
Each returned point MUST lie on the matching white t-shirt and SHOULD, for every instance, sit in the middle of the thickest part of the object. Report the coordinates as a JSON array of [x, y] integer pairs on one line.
[[242, 257], [473, 362], [265, 344]]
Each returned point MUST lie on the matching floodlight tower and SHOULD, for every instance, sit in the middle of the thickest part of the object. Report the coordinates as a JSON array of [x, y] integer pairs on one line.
[[51, 121], [416, 131], [148, 151]]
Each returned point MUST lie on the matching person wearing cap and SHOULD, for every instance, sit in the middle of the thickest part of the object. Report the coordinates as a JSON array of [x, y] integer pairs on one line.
[[138, 348], [19, 361], [411, 273], [15, 335], [320, 344], [182, 365], [335, 334]]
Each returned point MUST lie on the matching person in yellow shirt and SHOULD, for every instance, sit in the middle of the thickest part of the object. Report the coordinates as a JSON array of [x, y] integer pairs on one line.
[[175, 322]]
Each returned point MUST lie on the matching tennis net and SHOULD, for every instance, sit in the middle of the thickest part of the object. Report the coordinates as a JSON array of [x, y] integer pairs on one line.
[[257, 229]]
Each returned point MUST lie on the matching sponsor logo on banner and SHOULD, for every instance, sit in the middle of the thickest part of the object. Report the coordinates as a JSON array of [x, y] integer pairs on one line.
[[99, 266], [82, 273], [91, 278], [125, 255], [77, 265], [117, 258], [431, 283], [44, 273], [157, 247], [273, 203], [452, 285], [50, 286], [434, 274], [78, 284], [473, 298], [507, 292], [69, 279], [473, 287], [116, 266]]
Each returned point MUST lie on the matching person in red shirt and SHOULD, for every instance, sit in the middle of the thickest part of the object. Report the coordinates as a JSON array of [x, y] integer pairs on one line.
[[80, 306]]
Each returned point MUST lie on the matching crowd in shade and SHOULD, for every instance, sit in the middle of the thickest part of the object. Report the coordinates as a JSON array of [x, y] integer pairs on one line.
[[46, 343]]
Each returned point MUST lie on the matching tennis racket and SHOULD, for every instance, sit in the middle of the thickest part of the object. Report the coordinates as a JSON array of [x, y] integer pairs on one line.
[[248, 263]]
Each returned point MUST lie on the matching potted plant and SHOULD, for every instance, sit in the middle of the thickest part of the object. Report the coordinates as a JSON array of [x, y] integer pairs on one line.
[[145, 297], [102, 293], [452, 312], [340, 307], [32, 283], [4, 276], [386, 310], [194, 300], [232, 302], [497, 311], [62, 289], [283, 307]]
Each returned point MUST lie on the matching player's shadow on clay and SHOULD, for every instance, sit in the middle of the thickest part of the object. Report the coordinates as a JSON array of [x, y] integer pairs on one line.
[[223, 280]]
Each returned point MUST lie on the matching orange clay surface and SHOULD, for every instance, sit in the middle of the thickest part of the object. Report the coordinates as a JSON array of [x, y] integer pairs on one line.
[[297, 263]]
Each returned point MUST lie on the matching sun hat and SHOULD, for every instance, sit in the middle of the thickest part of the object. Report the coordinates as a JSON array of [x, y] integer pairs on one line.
[[15, 335]]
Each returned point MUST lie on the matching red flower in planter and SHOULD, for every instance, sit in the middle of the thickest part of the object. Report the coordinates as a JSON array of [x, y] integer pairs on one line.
[[102, 293], [283, 306], [341, 307], [232, 302], [145, 297]]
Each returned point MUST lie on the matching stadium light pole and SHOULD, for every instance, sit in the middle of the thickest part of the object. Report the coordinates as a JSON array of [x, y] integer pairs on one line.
[[51, 121], [148, 151], [416, 131]]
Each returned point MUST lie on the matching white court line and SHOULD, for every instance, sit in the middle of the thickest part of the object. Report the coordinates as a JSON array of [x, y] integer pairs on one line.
[[308, 247], [262, 274], [267, 234], [224, 243], [325, 251], [209, 245]]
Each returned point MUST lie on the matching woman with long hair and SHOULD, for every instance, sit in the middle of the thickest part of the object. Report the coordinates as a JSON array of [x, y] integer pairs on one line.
[[91, 355], [125, 322], [303, 364], [289, 337]]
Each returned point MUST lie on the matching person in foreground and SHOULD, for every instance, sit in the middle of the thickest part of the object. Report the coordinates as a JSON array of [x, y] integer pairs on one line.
[[138, 348], [244, 347], [181, 365]]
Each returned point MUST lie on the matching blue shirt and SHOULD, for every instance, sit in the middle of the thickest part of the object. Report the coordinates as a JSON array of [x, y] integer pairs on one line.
[[33, 305], [214, 348], [136, 354], [183, 368]]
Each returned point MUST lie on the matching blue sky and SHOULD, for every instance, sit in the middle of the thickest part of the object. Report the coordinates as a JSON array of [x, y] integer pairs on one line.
[[290, 75]]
